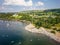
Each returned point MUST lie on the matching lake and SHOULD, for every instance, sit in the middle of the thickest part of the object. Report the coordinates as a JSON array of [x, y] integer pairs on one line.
[[14, 33]]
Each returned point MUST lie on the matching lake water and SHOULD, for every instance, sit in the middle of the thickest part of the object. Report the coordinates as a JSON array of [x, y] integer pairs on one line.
[[13, 33]]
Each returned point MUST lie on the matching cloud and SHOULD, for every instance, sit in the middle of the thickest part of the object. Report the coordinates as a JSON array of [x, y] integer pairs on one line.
[[39, 4], [22, 3], [29, 3], [18, 2], [2, 8], [31, 8]]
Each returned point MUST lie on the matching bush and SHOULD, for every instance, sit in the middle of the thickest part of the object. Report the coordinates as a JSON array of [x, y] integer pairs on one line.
[[53, 32], [54, 28], [58, 30], [47, 26]]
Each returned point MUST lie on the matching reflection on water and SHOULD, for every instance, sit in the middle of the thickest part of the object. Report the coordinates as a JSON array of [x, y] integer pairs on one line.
[[13, 33]]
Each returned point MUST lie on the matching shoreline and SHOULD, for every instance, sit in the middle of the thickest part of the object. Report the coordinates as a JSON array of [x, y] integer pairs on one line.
[[32, 29]]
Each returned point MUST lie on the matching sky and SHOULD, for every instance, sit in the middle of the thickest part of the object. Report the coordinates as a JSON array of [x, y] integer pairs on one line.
[[21, 5]]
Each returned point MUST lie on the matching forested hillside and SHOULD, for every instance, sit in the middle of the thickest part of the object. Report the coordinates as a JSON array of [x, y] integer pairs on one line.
[[39, 18]]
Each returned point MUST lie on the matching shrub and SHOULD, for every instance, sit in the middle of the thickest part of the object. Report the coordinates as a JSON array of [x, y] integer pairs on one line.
[[53, 32], [54, 28], [58, 30]]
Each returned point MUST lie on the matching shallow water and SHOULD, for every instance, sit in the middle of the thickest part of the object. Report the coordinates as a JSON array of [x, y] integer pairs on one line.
[[13, 33]]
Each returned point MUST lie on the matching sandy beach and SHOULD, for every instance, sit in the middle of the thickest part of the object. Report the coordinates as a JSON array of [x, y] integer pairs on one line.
[[42, 30]]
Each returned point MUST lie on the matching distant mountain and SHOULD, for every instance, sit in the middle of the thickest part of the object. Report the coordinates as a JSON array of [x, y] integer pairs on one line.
[[35, 11], [52, 10]]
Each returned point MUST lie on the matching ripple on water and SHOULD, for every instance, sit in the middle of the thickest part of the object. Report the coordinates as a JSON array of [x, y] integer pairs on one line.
[[19, 43], [12, 41], [31, 40], [30, 37]]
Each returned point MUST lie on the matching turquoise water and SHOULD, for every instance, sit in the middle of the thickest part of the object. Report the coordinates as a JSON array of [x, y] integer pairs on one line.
[[13, 33]]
